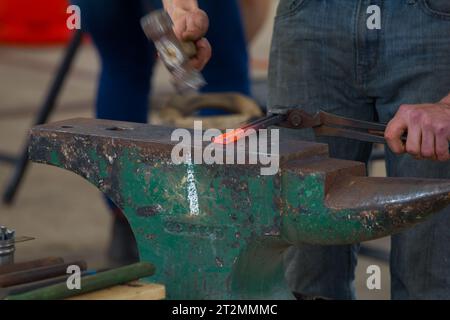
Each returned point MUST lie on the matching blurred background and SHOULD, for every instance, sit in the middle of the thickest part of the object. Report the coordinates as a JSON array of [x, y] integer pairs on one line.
[[65, 214]]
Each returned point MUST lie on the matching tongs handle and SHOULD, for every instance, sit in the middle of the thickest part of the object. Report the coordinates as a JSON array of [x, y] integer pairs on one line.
[[327, 124], [374, 137], [328, 119], [338, 126]]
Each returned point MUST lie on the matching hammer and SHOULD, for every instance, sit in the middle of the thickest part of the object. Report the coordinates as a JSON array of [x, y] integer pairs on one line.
[[158, 27]]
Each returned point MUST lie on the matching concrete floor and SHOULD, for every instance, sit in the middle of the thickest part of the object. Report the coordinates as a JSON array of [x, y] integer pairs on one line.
[[64, 213]]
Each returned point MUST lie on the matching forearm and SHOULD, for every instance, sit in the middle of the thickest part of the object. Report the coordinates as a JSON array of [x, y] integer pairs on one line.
[[254, 15], [169, 5]]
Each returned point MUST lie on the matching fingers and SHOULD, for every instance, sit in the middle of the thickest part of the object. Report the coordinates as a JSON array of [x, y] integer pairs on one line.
[[394, 132], [204, 53], [434, 134], [442, 139], [427, 149], [197, 24], [191, 26], [428, 127], [414, 140]]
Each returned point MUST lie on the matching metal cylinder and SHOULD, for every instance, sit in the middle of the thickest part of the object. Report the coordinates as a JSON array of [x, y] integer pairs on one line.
[[7, 246]]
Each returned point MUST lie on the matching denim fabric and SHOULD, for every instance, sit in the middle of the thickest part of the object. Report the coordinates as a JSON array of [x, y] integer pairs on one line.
[[324, 57], [127, 57]]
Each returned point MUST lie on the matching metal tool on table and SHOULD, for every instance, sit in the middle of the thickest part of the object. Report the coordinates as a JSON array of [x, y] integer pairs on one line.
[[28, 265], [8, 242], [233, 245], [89, 283], [36, 274], [27, 287], [47, 279], [45, 110], [323, 124], [175, 54]]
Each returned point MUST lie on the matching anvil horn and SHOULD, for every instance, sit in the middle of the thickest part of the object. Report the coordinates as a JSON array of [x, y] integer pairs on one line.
[[209, 253], [346, 207], [405, 199]]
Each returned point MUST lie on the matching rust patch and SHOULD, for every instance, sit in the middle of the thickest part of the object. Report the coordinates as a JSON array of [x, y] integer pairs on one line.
[[149, 211]]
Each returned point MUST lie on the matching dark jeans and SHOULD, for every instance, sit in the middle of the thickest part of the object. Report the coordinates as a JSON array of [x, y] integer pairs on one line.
[[325, 57], [127, 57]]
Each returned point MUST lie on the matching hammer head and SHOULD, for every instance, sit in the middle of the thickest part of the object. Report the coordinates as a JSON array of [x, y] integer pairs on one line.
[[175, 54]]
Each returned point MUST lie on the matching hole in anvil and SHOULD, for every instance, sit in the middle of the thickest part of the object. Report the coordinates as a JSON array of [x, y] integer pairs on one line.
[[118, 129], [67, 127]]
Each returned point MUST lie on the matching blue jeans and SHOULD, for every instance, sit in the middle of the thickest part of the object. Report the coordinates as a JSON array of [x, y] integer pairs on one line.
[[325, 57], [127, 57]]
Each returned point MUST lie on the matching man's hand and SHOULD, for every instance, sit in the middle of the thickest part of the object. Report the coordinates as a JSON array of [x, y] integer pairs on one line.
[[428, 128], [191, 24]]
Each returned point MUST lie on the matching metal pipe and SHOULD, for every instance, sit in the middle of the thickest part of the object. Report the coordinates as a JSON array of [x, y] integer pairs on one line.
[[25, 276], [44, 113], [30, 265]]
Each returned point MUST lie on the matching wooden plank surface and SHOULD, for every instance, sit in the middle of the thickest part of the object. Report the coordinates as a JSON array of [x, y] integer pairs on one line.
[[132, 291]]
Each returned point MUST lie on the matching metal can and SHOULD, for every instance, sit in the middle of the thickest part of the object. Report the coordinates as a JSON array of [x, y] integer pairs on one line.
[[7, 246]]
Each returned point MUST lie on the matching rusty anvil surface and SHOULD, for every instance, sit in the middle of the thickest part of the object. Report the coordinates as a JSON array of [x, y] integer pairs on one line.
[[233, 247]]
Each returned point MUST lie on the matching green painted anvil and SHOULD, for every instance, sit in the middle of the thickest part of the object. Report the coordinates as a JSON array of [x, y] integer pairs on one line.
[[233, 246]]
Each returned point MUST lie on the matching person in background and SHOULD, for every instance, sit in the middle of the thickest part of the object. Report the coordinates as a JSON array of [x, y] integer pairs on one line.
[[128, 58], [254, 14]]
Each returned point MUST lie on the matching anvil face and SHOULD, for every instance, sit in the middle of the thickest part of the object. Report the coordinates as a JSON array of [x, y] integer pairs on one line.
[[219, 231]]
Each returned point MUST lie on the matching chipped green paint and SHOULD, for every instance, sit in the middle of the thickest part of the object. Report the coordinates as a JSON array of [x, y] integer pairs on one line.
[[101, 163], [307, 213], [205, 248], [233, 246], [238, 213], [54, 158]]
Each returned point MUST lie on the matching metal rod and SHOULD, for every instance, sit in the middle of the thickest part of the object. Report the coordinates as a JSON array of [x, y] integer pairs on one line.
[[25, 276], [8, 158], [22, 288], [331, 119], [375, 253], [349, 134], [90, 283], [30, 265], [43, 115], [378, 154]]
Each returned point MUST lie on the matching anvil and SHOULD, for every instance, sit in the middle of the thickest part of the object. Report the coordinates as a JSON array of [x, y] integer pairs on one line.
[[233, 246]]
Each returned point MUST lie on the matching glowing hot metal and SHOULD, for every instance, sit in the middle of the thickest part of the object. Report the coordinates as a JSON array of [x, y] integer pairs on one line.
[[248, 129]]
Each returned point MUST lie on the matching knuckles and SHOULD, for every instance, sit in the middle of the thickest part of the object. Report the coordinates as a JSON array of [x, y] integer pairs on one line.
[[412, 150], [442, 156], [415, 115], [403, 108], [441, 129], [389, 135], [200, 20], [428, 153], [430, 118]]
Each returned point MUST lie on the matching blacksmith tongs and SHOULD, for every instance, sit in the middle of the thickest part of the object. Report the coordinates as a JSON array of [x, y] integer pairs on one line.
[[323, 124]]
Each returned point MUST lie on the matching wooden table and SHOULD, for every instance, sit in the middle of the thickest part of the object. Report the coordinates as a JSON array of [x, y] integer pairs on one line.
[[136, 290]]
